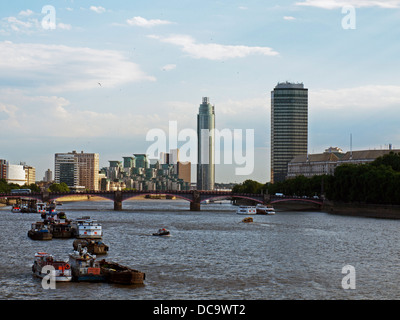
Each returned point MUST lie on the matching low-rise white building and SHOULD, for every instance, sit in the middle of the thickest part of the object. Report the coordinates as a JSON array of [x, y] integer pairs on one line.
[[312, 165], [15, 174]]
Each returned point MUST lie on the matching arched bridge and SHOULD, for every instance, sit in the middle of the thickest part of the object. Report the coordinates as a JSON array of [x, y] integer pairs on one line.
[[118, 197], [313, 200], [194, 197]]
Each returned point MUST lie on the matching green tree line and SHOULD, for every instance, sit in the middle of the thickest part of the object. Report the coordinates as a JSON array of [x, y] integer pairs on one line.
[[374, 183], [55, 187], [299, 186]]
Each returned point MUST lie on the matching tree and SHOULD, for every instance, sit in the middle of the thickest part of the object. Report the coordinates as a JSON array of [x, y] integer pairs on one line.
[[4, 187], [391, 160], [33, 187], [248, 186], [62, 187]]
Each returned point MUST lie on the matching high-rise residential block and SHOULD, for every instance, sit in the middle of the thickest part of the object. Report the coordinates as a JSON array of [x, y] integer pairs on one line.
[[88, 170], [77, 169], [206, 146], [289, 127], [142, 161]]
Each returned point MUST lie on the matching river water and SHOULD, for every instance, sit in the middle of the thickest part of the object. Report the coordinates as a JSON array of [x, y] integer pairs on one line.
[[212, 255]]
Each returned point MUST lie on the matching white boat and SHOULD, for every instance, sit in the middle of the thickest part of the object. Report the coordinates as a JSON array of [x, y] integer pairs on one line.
[[263, 209], [87, 228], [62, 269], [246, 210]]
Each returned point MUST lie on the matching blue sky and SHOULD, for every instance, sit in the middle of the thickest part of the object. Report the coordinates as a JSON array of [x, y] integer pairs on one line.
[[155, 60]]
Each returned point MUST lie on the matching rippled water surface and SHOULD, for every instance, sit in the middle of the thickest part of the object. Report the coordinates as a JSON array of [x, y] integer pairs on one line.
[[212, 255]]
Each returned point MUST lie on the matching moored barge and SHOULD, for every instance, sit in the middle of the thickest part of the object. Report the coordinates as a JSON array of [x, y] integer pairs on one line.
[[85, 267], [61, 270], [116, 273], [93, 246], [40, 231], [87, 228]]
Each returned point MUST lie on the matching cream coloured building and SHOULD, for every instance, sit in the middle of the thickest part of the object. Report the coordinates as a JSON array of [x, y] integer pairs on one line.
[[326, 163], [312, 165]]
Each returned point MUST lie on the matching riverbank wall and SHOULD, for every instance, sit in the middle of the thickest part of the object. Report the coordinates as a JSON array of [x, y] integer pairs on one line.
[[362, 210]]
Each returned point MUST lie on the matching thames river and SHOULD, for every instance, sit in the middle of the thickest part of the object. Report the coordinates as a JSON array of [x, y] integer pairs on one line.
[[213, 255]]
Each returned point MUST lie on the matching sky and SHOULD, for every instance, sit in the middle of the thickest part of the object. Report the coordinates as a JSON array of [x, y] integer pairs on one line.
[[98, 76]]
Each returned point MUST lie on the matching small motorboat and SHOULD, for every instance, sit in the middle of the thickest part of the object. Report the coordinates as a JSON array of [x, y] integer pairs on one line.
[[116, 273], [247, 220], [162, 232], [62, 270]]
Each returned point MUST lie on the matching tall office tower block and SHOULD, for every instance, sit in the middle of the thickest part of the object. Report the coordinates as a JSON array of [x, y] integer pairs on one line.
[[77, 169], [66, 169], [205, 146], [289, 126]]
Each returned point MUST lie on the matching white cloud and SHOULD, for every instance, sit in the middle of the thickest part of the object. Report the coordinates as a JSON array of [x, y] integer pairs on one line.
[[142, 22], [22, 114], [289, 18], [98, 9], [169, 67], [26, 13], [213, 51], [58, 67], [334, 4], [64, 26], [18, 25], [371, 97], [25, 25]]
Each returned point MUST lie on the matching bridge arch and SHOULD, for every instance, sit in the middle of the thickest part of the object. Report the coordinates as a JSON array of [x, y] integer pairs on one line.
[[128, 197], [61, 196], [19, 196], [222, 197], [296, 199]]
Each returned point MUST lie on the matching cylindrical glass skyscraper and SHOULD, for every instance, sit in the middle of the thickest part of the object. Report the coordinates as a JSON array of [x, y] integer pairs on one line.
[[289, 126], [205, 144]]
